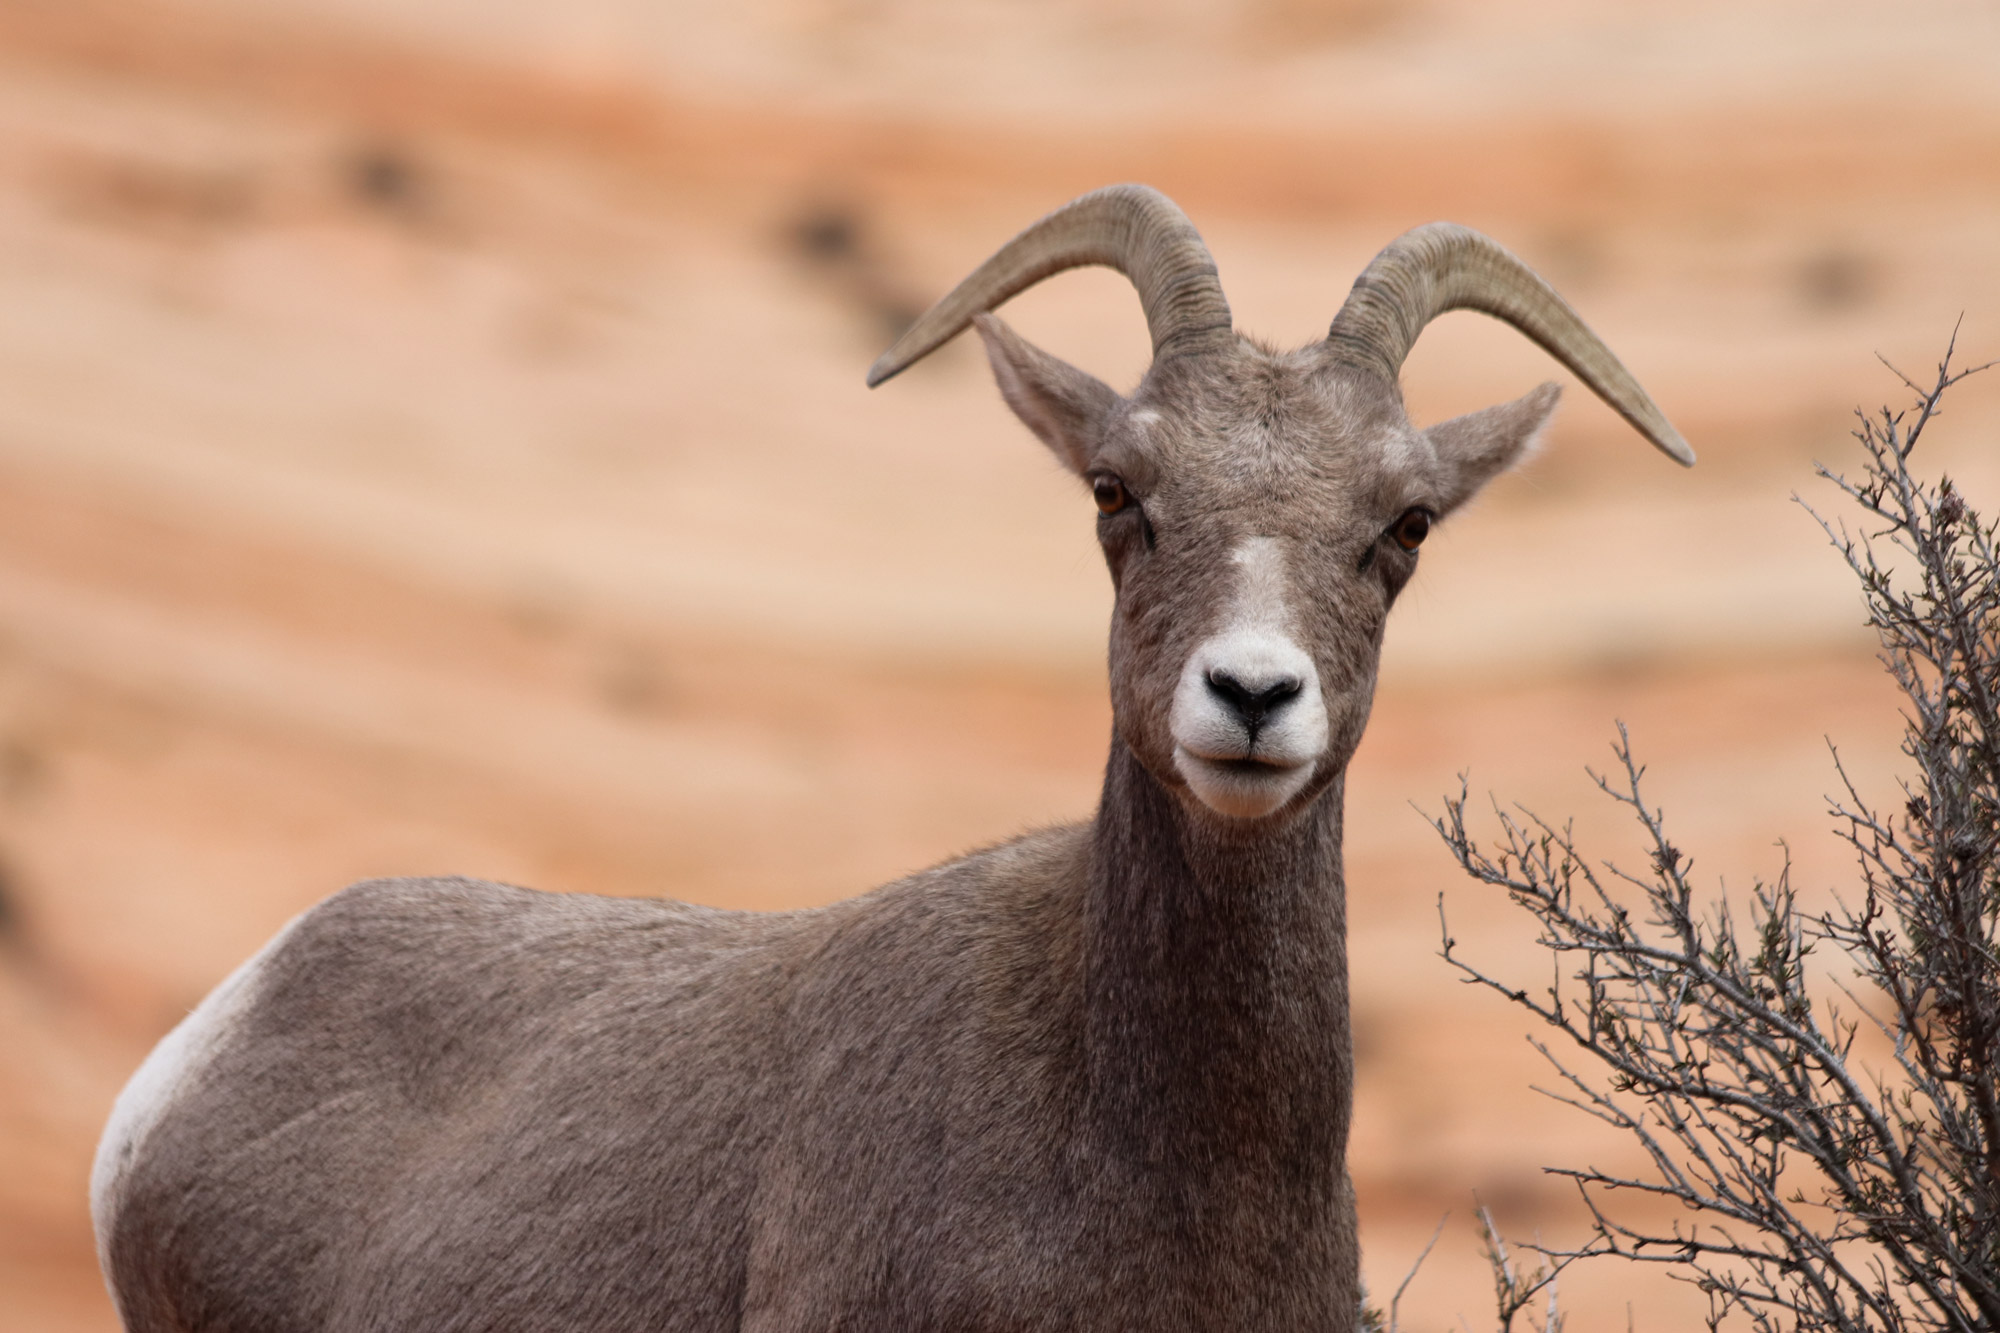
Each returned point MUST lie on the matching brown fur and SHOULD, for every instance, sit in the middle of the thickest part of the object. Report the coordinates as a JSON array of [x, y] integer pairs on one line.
[[1096, 1078]]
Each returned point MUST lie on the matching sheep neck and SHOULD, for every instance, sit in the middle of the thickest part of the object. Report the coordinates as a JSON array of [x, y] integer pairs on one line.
[[1215, 989]]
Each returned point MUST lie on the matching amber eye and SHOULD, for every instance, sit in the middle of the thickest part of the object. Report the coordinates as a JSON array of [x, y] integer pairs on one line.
[[1411, 529], [1109, 493]]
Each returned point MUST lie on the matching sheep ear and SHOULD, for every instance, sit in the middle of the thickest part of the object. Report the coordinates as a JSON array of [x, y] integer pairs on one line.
[[1064, 406], [1479, 446]]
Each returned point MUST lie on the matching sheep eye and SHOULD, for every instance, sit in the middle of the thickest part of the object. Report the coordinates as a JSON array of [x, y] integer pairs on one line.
[[1411, 529], [1109, 492]]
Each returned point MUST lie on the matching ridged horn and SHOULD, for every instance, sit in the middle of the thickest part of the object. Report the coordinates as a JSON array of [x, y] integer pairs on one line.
[[1132, 228], [1443, 266]]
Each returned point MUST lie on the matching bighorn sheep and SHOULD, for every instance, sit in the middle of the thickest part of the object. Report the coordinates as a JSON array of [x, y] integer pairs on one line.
[[1098, 1077]]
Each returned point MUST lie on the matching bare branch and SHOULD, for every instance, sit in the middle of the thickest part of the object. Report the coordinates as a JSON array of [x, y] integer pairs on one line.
[[1820, 1193]]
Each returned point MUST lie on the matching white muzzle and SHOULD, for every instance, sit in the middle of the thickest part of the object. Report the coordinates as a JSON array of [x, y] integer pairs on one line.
[[1249, 722]]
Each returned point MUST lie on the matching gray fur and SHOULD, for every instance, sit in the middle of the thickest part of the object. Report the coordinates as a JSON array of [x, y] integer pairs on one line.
[[1096, 1078]]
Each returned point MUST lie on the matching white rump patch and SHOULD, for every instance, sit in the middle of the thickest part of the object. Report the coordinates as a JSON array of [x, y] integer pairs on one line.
[[159, 1082]]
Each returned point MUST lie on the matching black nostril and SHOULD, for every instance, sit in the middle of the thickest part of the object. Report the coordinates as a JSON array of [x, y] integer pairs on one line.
[[1253, 703]]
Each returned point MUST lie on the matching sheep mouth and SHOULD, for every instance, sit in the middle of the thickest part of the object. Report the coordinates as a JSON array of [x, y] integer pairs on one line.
[[1246, 766], [1241, 786]]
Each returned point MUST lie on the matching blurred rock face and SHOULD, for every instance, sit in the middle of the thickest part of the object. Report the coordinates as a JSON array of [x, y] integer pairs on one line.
[[432, 439]]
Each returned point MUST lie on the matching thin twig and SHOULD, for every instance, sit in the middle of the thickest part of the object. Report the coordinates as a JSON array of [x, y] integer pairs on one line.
[[1822, 1193]]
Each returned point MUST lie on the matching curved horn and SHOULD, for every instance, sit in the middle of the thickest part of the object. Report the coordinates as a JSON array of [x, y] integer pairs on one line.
[[1443, 266], [1132, 228]]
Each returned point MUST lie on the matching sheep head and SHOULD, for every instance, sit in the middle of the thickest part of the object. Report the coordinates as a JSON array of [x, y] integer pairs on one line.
[[1261, 510]]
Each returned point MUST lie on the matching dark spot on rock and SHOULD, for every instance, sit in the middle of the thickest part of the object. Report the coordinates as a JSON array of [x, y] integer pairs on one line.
[[835, 243], [827, 236], [1836, 279], [386, 177]]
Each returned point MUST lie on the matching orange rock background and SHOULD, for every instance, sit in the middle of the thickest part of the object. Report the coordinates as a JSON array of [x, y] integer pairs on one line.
[[432, 439]]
